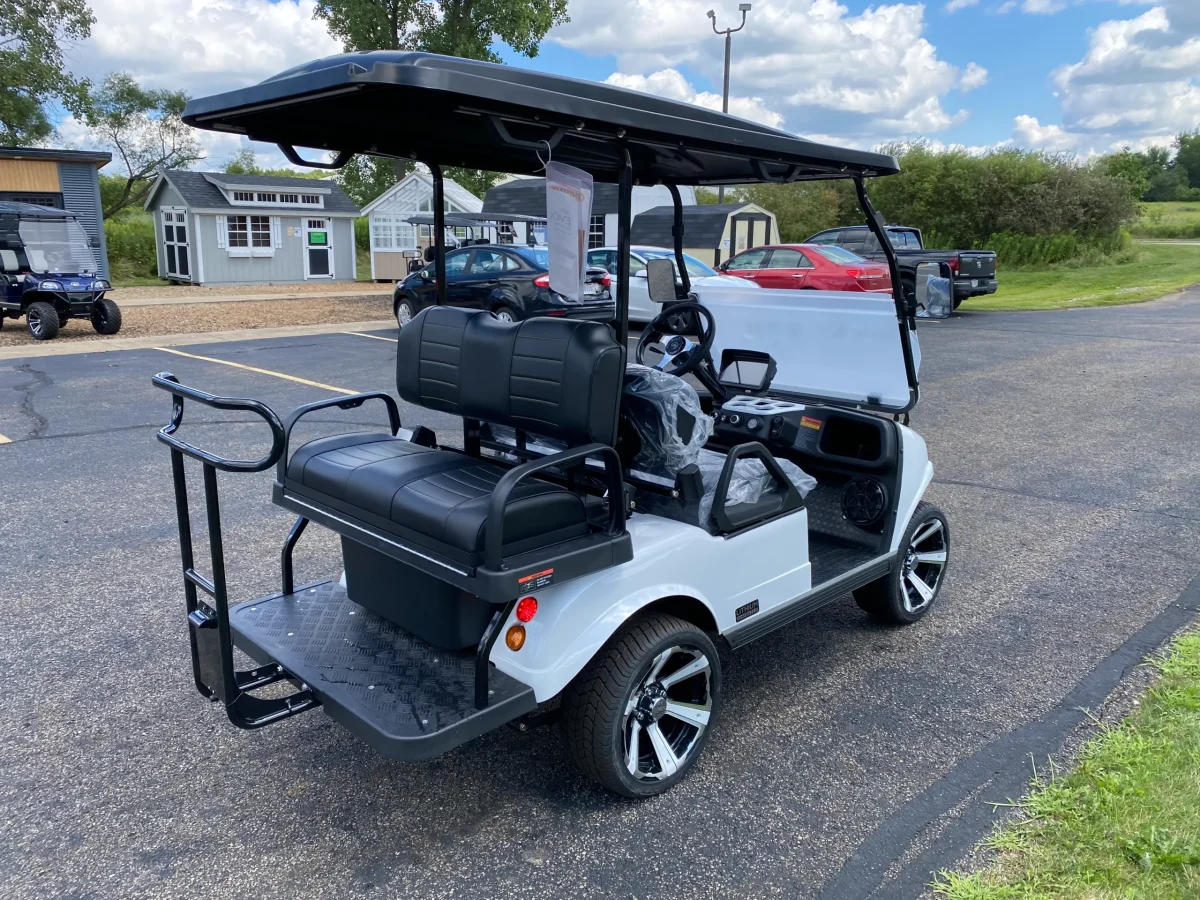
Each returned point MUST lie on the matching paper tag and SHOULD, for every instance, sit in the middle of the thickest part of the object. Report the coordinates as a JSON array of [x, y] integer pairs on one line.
[[568, 215]]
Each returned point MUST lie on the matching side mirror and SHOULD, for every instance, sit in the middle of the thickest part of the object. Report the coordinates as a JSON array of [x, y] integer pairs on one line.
[[430, 253], [660, 280], [640, 273], [723, 267]]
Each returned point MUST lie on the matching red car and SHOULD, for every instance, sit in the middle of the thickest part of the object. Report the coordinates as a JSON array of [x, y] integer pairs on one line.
[[821, 267]]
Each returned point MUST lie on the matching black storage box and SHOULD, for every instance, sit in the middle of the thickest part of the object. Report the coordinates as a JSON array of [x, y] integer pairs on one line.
[[437, 612]]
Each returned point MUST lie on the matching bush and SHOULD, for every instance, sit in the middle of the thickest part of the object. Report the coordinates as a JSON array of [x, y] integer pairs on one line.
[[1037, 251], [131, 250], [362, 233]]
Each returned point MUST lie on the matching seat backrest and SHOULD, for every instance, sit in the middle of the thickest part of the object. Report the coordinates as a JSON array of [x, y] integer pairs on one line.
[[559, 378]]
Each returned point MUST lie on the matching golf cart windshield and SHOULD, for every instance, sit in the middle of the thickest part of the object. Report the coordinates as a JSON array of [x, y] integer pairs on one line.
[[694, 267], [500, 118], [56, 246]]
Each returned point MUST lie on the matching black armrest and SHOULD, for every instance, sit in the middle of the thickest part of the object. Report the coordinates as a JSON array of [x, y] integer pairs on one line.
[[731, 521], [494, 539], [352, 402], [170, 383]]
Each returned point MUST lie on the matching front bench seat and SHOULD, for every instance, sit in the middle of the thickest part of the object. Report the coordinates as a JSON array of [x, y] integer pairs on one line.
[[560, 378]]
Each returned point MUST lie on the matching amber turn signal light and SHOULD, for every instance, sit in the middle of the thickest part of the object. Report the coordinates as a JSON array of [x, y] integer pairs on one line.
[[515, 637]]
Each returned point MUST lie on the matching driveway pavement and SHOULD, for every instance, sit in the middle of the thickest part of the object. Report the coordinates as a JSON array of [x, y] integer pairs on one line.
[[850, 760]]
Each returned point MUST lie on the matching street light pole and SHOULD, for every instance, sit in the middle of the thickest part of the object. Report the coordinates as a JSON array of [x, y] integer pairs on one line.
[[728, 32]]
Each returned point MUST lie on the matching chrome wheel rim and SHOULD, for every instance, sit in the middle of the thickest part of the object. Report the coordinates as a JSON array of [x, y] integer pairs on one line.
[[403, 314], [666, 713], [924, 564], [504, 316], [35, 322]]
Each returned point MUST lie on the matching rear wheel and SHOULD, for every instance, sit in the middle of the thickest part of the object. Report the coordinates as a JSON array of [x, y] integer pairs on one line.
[[404, 312], [906, 593], [505, 313], [41, 319], [106, 316], [637, 716]]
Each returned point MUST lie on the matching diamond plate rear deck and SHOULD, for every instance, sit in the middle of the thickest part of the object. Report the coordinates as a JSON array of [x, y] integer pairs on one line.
[[403, 696]]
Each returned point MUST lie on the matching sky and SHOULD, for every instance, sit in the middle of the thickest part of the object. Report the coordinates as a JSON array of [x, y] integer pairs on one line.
[[1076, 76]]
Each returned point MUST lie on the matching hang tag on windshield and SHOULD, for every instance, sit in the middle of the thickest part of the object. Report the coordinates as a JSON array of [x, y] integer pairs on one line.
[[568, 215]]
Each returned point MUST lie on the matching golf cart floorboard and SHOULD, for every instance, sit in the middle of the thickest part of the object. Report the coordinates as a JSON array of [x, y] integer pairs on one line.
[[406, 698], [831, 556]]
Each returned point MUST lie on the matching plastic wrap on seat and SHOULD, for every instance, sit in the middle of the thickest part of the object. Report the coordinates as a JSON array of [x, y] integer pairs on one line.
[[938, 303], [750, 480], [665, 411]]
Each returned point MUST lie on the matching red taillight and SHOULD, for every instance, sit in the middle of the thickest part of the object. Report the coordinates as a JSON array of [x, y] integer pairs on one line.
[[542, 281], [526, 608], [854, 273], [953, 264], [606, 280]]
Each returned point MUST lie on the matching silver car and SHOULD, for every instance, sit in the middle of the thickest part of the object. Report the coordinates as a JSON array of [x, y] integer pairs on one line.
[[641, 308]]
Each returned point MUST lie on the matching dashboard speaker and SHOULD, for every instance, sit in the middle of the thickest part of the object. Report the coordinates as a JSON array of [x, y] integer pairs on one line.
[[864, 501]]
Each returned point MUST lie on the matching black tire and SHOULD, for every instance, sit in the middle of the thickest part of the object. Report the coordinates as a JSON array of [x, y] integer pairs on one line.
[[41, 318], [597, 727], [403, 304], [895, 599], [106, 316], [958, 301], [504, 310]]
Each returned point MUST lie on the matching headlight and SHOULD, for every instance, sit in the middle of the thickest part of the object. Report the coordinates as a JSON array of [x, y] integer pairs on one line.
[[100, 285], [51, 286]]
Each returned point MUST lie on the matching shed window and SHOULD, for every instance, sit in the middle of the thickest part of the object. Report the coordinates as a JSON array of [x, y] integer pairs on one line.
[[314, 199], [382, 237], [267, 198], [239, 232], [596, 232], [260, 231], [289, 198], [243, 196]]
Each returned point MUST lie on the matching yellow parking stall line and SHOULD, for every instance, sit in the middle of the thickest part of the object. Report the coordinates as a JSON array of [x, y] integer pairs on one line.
[[225, 362], [4, 440], [374, 337]]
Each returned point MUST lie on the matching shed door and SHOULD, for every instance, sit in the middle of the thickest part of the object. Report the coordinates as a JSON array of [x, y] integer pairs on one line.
[[318, 248], [175, 243]]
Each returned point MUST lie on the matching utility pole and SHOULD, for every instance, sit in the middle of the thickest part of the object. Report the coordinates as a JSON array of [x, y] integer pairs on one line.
[[728, 32]]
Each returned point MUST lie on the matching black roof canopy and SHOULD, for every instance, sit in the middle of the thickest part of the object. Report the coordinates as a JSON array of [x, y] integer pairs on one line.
[[460, 112]]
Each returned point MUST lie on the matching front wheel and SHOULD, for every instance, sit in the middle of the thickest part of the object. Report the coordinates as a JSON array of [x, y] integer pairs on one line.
[[404, 312], [905, 594], [106, 316], [41, 319], [637, 716]]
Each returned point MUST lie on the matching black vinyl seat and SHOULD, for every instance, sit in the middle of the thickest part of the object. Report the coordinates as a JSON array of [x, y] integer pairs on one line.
[[557, 377], [435, 498]]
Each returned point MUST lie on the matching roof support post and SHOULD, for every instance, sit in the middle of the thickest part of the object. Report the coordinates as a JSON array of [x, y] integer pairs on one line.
[[439, 230], [677, 235], [624, 217]]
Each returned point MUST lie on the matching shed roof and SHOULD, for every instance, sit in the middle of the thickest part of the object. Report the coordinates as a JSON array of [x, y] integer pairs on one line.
[[200, 190], [455, 193], [703, 224], [93, 156], [527, 197]]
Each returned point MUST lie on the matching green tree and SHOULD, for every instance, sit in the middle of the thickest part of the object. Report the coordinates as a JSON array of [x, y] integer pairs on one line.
[[1132, 168], [245, 162], [477, 181], [1187, 156], [33, 37], [366, 177], [466, 28], [145, 133]]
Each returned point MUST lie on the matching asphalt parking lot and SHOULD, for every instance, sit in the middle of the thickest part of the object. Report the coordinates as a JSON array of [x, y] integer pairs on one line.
[[849, 758]]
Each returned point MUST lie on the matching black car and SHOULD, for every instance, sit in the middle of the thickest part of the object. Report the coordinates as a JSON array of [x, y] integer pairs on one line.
[[512, 281]]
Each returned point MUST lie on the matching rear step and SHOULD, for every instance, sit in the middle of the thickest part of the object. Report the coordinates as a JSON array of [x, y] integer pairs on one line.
[[406, 698]]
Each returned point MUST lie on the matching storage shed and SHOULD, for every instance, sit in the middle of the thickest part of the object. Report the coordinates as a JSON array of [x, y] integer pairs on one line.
[[393, 239], [527, 197], [63, 179], [712, 232], [216, 228]]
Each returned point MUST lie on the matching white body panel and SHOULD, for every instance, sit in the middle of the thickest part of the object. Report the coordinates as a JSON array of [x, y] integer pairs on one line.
[[915, 476], [840, 345], [670, 558]]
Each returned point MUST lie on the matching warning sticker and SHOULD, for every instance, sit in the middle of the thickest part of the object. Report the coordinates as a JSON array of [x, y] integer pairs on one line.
[[536, 580], [809, 422]]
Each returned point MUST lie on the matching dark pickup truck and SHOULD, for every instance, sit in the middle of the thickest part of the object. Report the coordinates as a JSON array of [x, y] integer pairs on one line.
[[974, 270]]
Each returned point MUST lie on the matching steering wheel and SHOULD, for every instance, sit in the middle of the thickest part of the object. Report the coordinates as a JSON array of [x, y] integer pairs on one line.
[[680, 355]]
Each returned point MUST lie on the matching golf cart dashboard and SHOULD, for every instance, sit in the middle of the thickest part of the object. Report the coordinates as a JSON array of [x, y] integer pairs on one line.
[[840, 437]]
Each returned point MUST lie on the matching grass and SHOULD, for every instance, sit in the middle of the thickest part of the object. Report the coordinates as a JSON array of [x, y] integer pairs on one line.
[[1126, 823], [1144, 273], [1166, 221]]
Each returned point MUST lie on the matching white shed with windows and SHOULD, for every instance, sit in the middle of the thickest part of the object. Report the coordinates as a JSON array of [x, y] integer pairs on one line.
[[393, 240], [217, 228]]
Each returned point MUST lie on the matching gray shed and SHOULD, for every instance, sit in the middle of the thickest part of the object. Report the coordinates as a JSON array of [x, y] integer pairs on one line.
[[63, 179], [216, 228], [711, 232]]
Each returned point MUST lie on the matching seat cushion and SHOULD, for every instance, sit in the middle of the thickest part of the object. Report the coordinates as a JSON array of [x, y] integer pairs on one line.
[[436, 498]]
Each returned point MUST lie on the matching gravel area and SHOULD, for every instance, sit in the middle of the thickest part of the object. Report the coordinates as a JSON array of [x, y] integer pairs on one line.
[[176, 291], [142, 321]]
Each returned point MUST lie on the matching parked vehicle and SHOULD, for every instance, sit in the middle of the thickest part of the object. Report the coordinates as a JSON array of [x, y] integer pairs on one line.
[[600, 529], [47, 272], [641, 307], [974, 271], [511, 281], [809, 267]]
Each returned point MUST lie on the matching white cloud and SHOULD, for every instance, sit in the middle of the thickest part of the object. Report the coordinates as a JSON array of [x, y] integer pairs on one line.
[[1138, 84], [867, 77], [975, 76], [671, 84], [956, 5]]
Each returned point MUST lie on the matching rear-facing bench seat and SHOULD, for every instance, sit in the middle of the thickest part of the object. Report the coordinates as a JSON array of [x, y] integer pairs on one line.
[[472, 522]]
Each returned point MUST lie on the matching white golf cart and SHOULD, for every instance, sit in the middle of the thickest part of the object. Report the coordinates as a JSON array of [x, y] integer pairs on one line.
[[605, 526]]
